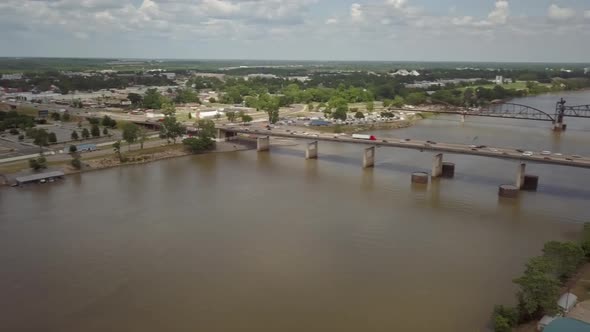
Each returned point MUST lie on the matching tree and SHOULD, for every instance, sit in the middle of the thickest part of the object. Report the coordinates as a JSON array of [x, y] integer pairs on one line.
[[95, 130], [196, 145], [105, 131], [117, 149], [107, 121], [398, 102], [76, 162], [135, 98], [93, 121], [171, 129], [538, 288], [565, 257], [85, 133], [359, 115], [184, 96], [74, 135], [52, 138], [416, 98], [142, 136], [206, 128], [40, 138], [231, 116], [212, 100], [66, 117], [73, 149], [340, 113], [370, 106], [55, 116], [168, 108], [246, 118], [38, 163], [153, 99], [130, 133]]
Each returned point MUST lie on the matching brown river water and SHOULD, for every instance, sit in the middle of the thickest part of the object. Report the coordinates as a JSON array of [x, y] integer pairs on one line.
[[271, 242]]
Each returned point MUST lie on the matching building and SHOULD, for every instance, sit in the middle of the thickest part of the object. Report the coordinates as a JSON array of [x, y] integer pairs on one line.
[[41, 177], [499, 80], [170, 76], [565, 303], [403, 72], [586, 71], [12, 77]]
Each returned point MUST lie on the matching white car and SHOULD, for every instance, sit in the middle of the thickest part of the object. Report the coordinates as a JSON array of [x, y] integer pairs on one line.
[[545, 153], [527, 153], [494, 150], [558, 154]]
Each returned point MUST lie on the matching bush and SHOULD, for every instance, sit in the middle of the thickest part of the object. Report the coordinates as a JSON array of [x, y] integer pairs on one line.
[[38, 163], [52, 138], [585, 243], [508, 313], [501, 324], [73, 149], [21, 137], [196, 145], [13, 131], [76, 163]]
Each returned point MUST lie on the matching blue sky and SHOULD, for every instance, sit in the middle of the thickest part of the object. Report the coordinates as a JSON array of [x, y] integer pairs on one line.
[[412, 30]]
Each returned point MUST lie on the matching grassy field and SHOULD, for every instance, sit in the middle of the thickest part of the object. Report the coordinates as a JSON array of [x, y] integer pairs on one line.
[[519, 85]]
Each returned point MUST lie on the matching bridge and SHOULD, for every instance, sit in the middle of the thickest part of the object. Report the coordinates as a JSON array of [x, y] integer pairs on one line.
[[517, 111], [439, 168]]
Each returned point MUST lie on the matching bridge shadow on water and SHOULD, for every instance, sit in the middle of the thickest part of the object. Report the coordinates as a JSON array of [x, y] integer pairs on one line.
[[546, 189]]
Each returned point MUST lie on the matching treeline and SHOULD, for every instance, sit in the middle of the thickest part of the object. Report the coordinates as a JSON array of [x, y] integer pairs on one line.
[[540, 284], [65, 84], [15, 120]]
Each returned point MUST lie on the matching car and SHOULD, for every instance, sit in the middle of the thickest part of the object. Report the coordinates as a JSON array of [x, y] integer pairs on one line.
[[385, 141], [402, 141], [481, 146], [473, 149], [558, 154], [494, 150], [473, 146], [431, 142], [576, 156], [407, 139], [519, 150], [545, 153], [528, 153], [569, 159], [547, 158]]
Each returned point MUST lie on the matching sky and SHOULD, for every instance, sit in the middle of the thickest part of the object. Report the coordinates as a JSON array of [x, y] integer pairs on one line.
[[383, 30]]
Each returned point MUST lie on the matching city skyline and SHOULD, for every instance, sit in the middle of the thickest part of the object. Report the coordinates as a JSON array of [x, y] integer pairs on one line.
[[372, 30]]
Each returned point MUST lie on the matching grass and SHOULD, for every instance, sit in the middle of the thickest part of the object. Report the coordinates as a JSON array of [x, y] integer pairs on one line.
[[518, 85]]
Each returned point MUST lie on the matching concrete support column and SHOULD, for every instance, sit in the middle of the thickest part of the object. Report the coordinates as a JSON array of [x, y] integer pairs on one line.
[[263, 143], [312, 150], [462, 118], [220, 134], [520, 175], [437, 165], [369, 157]]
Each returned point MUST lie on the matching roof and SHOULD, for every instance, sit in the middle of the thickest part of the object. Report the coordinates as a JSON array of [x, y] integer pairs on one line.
[[37, 177], [546, 320], [581, 311], [567, 301], [567, 325]]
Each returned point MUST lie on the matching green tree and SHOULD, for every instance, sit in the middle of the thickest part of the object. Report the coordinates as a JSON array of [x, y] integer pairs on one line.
[[76, 162], [565, 257], [73, 149], [359, 115], [93, 121], [168, 108], [95, 130], [539, 288], [66, 117], [184, 96], [40, 138], [231, 116], [105, 131], [107, 121], [340, 113], [142, 136], [130, 133], [199, 144], [135, 99], [171, 129], [387, 102], [52, 138], [85, 133], [212, 100], [416, 98], [398, 102], [117, 149], [38, 163], [370, 106], [206, 128], [153, 99], [246, 118], [55, 116], [74, 135]]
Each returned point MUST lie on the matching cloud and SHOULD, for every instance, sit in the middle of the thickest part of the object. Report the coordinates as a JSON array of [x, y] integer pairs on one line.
[[587, 14], [500, 13], [356, 12], [560, 13], [332, 20]]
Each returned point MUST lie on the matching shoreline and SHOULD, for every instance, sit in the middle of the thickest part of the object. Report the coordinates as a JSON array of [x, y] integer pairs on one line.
[[138, 157]]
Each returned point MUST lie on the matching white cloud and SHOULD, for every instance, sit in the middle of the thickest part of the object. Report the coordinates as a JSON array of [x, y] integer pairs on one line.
[[332, 21], [356, 12], [500, 13], [560, 13], [587, 14], [397, 4]]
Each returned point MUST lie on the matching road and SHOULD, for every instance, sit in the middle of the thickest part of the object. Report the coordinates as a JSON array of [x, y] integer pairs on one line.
[[492, 152]]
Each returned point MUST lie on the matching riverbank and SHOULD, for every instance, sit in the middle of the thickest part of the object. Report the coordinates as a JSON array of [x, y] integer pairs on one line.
[[138, 156]]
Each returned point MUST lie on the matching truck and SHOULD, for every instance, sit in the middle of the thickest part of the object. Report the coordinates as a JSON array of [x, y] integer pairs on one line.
[[365, 137]]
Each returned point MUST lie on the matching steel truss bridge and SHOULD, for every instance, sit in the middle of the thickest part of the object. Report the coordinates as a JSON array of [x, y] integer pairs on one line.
[[518, 111]]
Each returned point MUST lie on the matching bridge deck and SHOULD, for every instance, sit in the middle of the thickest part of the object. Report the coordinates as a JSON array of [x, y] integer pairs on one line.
[[503, 153]]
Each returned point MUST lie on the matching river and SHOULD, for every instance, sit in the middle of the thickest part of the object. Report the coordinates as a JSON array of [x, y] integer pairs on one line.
[[271, 242]]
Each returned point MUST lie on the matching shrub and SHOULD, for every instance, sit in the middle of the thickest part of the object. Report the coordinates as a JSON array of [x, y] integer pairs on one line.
[[13, 131]]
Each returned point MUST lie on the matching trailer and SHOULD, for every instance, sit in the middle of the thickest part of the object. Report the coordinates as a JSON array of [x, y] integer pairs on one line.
[[365, 137]]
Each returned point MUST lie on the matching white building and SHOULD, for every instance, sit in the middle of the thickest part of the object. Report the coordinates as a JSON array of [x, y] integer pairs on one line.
[[10, 77], [403, 72], [586, 71], [169, 76], [499, 80]]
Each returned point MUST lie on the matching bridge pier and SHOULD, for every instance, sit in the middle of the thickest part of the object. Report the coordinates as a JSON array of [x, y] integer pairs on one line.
[[462, 118], [369, 157], [520, 176], [263, 143], [559, 126], [311, 152], [437, 165]]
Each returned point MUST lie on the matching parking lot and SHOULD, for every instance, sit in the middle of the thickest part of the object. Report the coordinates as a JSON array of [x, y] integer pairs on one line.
[[10, 148]]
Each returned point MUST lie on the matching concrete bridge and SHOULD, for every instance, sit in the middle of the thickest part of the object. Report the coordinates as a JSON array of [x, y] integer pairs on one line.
[[439, 167]]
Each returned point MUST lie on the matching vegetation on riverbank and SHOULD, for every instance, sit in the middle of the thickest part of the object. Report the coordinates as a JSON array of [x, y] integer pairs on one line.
[[544, 278]]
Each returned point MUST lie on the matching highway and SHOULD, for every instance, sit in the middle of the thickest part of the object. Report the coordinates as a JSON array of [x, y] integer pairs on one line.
[[490, 152]]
